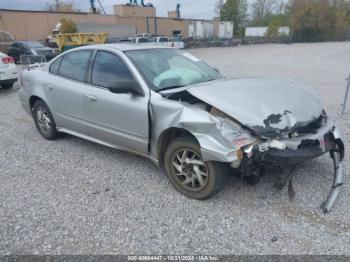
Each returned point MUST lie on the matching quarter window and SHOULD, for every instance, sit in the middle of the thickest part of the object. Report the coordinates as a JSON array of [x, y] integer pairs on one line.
[[109, 69], [74, 65], [55, 66]]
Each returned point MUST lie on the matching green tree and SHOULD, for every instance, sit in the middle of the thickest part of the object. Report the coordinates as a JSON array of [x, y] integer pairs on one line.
[[68, 26], [304, 20], [341, 10], [319, 20], [262, 12], [219, 6], [237, 12], [275, 23]]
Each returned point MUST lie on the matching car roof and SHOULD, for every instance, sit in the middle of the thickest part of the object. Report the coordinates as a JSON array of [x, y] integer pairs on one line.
[[124, 46], [25, 42]]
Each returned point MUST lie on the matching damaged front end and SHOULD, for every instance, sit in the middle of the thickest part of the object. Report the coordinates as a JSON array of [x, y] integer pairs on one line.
[[249, 133], [287, 121], [296, 148]]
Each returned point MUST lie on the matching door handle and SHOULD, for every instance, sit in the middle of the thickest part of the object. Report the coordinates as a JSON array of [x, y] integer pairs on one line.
[[91, 98], [49, 87]]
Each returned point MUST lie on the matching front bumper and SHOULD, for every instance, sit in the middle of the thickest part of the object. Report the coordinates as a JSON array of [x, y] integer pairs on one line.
[[292, 152], [298, 150], [307, 150]]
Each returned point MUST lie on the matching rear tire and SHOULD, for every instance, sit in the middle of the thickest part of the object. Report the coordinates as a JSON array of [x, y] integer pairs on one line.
[[189, 174], [44, 121]]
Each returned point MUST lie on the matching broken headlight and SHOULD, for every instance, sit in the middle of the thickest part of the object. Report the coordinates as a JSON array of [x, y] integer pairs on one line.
[[231, 130]]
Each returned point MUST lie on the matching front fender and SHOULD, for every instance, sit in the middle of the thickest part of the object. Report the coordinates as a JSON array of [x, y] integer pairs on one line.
[[167, 114]]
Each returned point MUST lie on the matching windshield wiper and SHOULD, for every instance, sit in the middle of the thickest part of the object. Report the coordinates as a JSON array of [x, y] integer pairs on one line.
[[170, 87]]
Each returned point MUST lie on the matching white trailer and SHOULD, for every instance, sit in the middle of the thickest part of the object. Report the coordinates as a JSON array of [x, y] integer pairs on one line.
[[256, 31], [262, 31], [225, 30], [201, 29]]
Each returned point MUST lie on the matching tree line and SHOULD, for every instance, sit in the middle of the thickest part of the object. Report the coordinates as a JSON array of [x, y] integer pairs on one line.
[[309, 20]]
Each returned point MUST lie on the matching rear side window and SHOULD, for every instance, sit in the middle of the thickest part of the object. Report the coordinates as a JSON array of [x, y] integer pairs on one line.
[[109, 69], [55, 66], [74, 65]]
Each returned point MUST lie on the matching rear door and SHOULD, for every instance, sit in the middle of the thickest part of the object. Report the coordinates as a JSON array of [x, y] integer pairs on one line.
[[118, 119], [64, 89]]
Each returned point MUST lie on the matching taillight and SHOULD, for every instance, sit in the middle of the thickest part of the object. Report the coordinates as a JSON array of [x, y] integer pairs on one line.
[[8, 60]]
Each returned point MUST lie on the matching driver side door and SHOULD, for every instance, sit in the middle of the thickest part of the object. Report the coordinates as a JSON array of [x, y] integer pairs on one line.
[[117, 119]]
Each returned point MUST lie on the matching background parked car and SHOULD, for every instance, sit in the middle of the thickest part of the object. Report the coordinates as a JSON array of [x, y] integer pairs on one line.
[[139, 40], [30, 48], [114, 40], [8, 71], [176, 42]]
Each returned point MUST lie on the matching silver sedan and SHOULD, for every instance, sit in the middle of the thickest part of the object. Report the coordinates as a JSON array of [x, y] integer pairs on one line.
[[171, 107]]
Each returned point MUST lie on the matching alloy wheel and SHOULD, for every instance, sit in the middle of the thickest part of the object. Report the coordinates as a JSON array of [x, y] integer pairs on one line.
[[44, 121], [190, 170]]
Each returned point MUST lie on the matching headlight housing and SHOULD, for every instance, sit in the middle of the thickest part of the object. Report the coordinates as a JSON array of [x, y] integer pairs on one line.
[[231, 130]]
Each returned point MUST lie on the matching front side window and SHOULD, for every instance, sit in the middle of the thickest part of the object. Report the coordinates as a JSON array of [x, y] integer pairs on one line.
[[109, 69], [169, 68], [74, 65], [55, 66]]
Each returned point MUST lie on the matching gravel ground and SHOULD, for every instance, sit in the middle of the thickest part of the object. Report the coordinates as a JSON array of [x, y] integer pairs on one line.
[[71, 196]]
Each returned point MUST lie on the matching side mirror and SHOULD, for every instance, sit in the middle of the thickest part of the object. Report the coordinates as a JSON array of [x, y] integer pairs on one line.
[[126, 87]]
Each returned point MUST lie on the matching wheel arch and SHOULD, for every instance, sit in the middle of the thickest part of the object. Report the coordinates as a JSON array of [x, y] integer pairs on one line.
[[33, 99], [169, 135]]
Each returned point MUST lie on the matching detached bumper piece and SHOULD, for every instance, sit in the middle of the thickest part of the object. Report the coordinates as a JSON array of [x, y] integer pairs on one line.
[[337, 181]]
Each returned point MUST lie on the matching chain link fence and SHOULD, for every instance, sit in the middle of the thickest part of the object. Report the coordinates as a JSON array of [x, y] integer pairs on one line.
[[32, 59]]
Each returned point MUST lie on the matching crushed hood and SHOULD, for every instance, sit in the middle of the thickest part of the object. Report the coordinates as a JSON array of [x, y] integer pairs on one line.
[[267, 106]]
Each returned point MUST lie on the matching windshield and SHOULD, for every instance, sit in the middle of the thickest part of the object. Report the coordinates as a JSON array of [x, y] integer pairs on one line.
[[32, 44], [169, 68]]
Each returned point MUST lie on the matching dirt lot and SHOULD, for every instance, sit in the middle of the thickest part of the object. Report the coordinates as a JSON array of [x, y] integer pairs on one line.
[[75, 197]]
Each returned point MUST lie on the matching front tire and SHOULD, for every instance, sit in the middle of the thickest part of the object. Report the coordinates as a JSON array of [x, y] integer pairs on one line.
[[44, 121], [189, 174]]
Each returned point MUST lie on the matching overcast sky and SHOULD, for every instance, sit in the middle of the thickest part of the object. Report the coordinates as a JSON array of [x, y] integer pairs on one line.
[[189, 9]]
